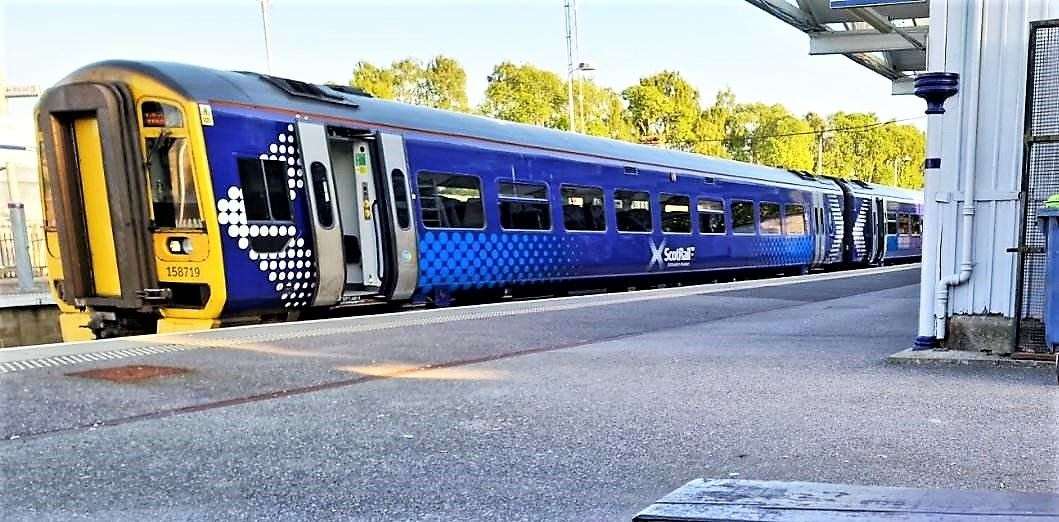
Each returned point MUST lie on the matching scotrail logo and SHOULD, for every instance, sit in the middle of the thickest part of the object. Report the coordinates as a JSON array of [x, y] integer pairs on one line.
[[663, 257]]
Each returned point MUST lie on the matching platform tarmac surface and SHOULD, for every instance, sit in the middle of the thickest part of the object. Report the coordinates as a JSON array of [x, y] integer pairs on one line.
[[585, 408]]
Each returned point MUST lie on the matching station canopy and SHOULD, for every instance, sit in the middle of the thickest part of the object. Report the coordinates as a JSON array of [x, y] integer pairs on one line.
[[886, 36]]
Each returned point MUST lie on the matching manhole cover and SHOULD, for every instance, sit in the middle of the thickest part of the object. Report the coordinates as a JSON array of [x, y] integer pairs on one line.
[[132, 373]]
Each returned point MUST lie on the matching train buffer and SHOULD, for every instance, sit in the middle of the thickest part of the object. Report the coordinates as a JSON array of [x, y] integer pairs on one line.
[[731, 500]]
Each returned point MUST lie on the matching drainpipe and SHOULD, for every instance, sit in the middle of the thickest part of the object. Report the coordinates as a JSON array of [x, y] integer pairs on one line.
[[967, 165], [935, 88]]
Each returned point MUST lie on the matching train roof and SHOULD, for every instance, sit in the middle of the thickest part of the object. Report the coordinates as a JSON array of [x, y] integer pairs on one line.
[[212, 85]]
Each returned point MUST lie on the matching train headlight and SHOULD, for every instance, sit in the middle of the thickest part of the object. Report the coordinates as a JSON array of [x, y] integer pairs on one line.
[[179, 245]]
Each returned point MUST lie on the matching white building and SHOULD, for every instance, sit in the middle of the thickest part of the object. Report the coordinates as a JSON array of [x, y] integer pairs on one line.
[[982, 264]]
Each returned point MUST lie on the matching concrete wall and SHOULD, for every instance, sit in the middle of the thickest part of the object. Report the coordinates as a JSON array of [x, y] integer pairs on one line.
[[22, 325], [979, 137]]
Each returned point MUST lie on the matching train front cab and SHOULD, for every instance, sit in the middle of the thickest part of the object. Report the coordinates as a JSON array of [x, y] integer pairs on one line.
[[126, 196]]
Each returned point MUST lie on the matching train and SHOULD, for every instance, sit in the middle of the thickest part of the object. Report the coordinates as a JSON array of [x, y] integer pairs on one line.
[[182, 198]]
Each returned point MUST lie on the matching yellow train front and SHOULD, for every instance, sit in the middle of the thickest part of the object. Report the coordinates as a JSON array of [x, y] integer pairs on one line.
[[174, 202]]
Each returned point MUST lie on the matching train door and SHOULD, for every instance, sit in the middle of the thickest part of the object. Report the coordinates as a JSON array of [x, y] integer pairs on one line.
[[98, 191], [879, 229], [352, 164], [327, 231], [819, 230]]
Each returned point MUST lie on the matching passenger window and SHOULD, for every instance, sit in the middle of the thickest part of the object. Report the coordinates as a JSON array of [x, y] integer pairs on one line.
[[917, 225], [524, 206], [322, 194], [794, 220], [904, 224], [583, 208], [265, 193], [676, 213], [172, 186], [450, 200], [400, 199], [770, 218], [891, 223], [711, 216], [743, 217], [632, 211]]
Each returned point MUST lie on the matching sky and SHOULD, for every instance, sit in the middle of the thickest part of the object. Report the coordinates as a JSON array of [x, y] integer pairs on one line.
[[713, 43]]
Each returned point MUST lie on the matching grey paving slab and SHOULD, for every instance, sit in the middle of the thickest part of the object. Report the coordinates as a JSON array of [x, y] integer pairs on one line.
[[619, 407]]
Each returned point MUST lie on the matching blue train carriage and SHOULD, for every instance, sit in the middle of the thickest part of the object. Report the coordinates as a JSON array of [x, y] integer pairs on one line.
[[904, 223], [184, 198]]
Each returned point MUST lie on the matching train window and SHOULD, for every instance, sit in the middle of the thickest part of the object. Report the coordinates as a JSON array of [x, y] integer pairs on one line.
[[400, 199], [172, 186], [917, 225], [524, 206], [583, 208], [743, 217], [711, 216], [450, 200], [794, 219], [264, 185], [770, 218], [632, 210], [676, 213], [904, 224], [322, 195], [891, 223]]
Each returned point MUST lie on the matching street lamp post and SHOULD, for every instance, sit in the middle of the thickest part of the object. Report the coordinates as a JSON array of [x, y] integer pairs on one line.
[[266, 24]]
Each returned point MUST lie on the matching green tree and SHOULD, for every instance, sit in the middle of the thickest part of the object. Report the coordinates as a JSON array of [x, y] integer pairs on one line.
[[860, 146], [664, 108], [526, 94], [770, 135], [441, 83], [711, 127], [603, 112], [446, 85]]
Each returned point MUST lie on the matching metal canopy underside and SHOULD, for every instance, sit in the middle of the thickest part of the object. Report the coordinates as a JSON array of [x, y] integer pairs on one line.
[[888, 39]]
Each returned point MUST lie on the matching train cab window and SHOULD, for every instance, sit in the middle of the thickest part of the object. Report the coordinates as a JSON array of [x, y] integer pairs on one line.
[[676, 213], [632, 211], [583, 208], [770, 218], [743, 217], [174, 203], [450, 200], [524, 206], [322, 195], [904, 224], [400, 199], [711, 216], [264, 185], [794, 220]]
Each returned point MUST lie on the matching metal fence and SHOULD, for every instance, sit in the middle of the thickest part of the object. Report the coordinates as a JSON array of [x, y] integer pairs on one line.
[[1040, 179], [38, 252]]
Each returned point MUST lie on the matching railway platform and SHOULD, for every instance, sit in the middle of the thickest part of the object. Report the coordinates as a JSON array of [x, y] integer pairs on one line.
[[577, 408]]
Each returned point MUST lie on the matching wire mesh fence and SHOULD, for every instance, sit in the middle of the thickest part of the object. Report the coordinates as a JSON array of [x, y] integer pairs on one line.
[[38, 252]]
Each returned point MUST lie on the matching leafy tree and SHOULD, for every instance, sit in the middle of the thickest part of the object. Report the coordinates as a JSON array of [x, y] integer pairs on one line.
[[770, 135], [861, 146], [441, 83], [446, 85], [604, 112], [711, 127], [664, 108], [526, 94]]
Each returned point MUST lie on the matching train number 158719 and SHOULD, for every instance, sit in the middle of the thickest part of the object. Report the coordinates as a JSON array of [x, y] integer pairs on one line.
[[182, 272]]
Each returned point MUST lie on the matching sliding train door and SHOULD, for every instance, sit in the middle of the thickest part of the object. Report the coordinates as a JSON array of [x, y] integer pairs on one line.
[[327, 232]]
